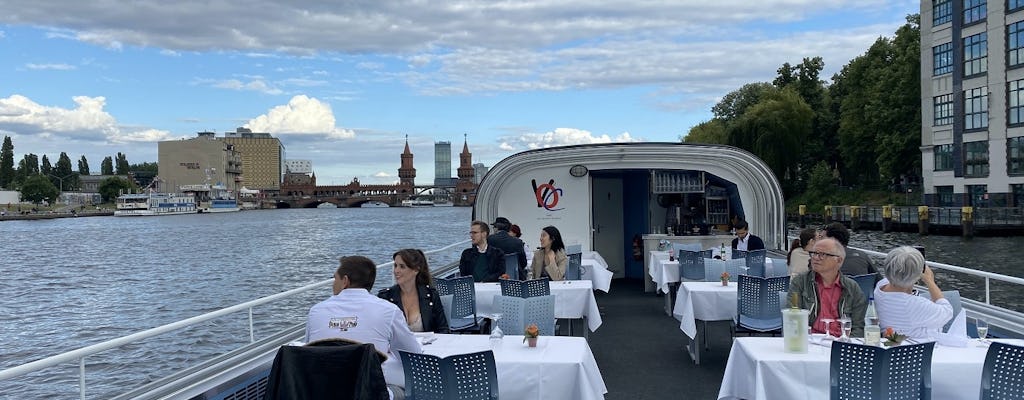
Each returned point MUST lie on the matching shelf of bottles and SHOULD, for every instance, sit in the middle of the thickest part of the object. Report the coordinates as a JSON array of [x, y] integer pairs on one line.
[[677, 182], [717, 201]]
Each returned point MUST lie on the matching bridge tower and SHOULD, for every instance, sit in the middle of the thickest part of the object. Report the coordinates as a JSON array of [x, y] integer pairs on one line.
[[407, 174], [465, 189]]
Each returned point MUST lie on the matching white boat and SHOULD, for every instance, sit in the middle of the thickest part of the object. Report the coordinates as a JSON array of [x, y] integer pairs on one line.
[[326, 205], [149, 204], [212, 198], [417, 203], [443, 203], [374, 204]]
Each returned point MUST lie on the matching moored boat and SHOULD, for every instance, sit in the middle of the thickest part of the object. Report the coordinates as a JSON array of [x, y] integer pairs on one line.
[[417, 203], [150, 204], [374, 204]]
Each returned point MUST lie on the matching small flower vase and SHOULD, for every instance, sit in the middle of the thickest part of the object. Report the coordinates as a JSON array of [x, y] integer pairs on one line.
[[725, 282], [532, 342]]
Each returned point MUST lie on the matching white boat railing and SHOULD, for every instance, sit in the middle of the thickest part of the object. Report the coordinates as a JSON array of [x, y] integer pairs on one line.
[[81, 353]]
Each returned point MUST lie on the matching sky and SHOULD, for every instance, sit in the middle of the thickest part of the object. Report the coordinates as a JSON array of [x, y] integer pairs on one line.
[[344, 83]]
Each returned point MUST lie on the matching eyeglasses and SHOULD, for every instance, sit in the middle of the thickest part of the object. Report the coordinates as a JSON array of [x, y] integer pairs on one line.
[[819, 255]]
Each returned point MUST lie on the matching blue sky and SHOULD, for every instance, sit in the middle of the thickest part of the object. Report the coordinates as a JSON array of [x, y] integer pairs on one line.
[[342, 85]]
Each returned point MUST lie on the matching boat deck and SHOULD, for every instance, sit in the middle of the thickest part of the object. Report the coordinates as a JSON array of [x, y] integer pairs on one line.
[[641, 351]]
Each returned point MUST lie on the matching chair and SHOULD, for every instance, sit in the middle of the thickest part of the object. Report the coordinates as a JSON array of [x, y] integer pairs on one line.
[[334, 368], [871, 372], [512, 266], [954, 299], [778, 267], [518, 313], [462, 376], [757, 305], [755, 262], [524, 289], [446, 304], [1004, 369], [866, 283], [572, 268], [735, 267], [738, 254], [691, 265], [463, 309]]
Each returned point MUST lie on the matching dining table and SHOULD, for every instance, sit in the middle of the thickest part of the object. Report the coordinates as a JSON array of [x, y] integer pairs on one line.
[[594, 268], [758, 368], [573, 300], [560, 367], [703, 302]]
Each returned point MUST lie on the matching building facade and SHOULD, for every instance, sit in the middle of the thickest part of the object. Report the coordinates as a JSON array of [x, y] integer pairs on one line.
[[479, 170], [263, 159], [442, 163], [972, 102], [198, 161], [298, 166]]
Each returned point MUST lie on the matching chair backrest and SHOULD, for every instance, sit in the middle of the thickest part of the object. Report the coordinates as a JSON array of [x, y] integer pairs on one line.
[[755, 262], [778, 267], [518, 313], [511, 287], [735, 267], [572, 268], [446, 303], [757, 304], [470, 376], [339, 369], [1004, 369], [512, 266], [738, 254], [443, 286], [537, 287], [866, 283], [691, 265], [872, 372], [463, 295], [953, 296]]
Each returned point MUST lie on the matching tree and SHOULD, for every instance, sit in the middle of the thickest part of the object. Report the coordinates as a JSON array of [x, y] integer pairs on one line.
[[712, 132], [46, 168], [773, 129], [897, 148], [107, 166], [7, 164], [62, 175], [37, 188], [28, 166], [112, 187], [83, 166], [735, 103], [146, 166], [121, 163]]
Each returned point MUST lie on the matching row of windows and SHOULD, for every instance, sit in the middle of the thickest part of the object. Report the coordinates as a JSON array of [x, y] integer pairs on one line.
[[976, 107], [976, 52], [976, 195], [976, 157], [974, 10]]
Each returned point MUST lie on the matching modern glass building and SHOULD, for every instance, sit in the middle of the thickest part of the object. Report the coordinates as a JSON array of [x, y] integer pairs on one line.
[[972, 102], [442, 163]]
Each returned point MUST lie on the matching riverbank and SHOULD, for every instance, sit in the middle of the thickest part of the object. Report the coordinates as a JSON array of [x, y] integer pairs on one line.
[[54, 215]]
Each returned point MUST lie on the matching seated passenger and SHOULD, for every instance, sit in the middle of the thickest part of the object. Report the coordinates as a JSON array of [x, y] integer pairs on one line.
[[799, 260], [827, 293], [550, 260], [897, 306], [414, 293], [482, 261]]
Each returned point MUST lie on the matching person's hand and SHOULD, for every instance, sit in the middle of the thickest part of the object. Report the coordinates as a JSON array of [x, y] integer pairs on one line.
[[928, 276], [549, 258]]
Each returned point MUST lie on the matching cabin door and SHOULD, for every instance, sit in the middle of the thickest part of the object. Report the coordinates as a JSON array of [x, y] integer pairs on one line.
[[606, 206]]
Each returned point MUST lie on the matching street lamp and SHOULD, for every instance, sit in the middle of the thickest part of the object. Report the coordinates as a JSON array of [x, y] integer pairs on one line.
[[61, 180]]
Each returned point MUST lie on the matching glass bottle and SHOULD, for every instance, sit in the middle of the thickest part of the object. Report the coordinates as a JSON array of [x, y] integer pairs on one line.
[[496, 334]]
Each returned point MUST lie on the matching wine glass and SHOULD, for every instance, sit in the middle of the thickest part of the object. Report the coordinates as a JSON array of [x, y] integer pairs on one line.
[[828, 324], [847, 325], [982, 326], [496, 334]]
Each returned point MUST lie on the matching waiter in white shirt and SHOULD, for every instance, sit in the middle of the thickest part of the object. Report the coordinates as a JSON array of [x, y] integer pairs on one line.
[[744, 240]]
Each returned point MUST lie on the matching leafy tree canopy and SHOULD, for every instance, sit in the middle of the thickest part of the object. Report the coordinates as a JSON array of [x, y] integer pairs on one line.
[[112, 187], [37, 188]]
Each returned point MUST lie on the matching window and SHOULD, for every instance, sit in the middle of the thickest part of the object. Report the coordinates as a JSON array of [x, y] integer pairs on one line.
[[945, 196], [1014, 5], [943, 157], [976, 54], [976, 159], [1015, 102], [975, 109], [942, 12], [1017, 195], [1015, 44], [974, 11], [943, 110], [1015, 155], [942, 59], [977, 195]]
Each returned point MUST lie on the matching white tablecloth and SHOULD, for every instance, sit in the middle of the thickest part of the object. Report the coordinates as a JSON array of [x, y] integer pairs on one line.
[[705, 301], [573, 299], [560, 367], [759, 369], [595, 269], [662, 270]]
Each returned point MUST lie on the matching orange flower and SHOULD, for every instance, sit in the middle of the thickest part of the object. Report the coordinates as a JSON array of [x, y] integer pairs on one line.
[[531, 332], [503, 276], [888, 332], [725, 276], [893, 338]]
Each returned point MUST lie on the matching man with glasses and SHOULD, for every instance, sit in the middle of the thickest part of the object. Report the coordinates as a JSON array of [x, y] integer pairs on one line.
[[485, 263], [826, 293]]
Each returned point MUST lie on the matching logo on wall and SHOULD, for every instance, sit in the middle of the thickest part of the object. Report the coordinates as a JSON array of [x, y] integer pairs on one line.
[[547, 194]]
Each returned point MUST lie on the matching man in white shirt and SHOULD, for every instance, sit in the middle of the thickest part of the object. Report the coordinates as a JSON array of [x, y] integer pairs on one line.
[[745, 240], [353, 313]]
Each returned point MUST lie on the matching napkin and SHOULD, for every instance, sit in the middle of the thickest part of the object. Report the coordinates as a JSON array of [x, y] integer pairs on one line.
[[957, 334]]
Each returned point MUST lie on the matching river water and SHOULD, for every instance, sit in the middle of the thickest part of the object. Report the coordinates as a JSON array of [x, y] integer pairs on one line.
[[68, 283]]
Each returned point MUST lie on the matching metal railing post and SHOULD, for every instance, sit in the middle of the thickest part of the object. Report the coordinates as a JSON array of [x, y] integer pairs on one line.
[[988, 291], [252, 332]]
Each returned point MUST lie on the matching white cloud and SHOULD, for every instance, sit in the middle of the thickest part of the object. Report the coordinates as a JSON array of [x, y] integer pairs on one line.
[[57, 67], [382, 174], [302, 115], [86, 121], [256, 85], [560, 137]]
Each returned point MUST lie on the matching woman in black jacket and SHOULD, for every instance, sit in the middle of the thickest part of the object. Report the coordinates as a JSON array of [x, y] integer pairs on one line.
[[414, 293]]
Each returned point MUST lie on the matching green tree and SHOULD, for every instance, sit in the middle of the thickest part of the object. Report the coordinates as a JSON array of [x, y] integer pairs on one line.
[[121, 164], [46, 168], [112, 187], [773, 129], [83, 166], [897, 147], [145, 166], [7, 164], [62, 175], [107, 166], [735, 103], [712, 132], [28, 166], [37, 188]]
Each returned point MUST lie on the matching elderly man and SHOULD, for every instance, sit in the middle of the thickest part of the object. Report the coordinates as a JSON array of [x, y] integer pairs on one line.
[[827, 293], [485, 263], [353, 313], [508, 244]]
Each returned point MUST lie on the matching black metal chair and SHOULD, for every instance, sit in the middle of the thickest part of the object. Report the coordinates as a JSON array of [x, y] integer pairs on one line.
[[691, 265], [463, 309], [1003, 374], [525, 289], [871, 372], [757, 304], [470, 376]]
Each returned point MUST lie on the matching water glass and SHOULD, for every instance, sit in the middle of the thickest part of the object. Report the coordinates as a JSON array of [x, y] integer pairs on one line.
[[982, 326], [828, 325], [847, 325]]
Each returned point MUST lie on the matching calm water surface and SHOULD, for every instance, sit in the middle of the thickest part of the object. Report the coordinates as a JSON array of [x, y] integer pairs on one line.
[[73, 282]]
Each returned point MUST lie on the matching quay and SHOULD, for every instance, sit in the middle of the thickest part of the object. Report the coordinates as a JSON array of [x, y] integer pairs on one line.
[[54, 215], [966, 221]]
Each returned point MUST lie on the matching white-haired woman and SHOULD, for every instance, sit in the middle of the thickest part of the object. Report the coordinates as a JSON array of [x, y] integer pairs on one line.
[[899, 308]]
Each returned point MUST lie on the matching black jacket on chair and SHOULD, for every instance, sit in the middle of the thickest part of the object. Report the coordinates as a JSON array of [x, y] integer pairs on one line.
[[431, 310], [510, 245], [331, 369]]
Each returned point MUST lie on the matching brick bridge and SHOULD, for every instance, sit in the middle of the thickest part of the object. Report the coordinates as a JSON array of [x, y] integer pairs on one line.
[[302, 192]]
